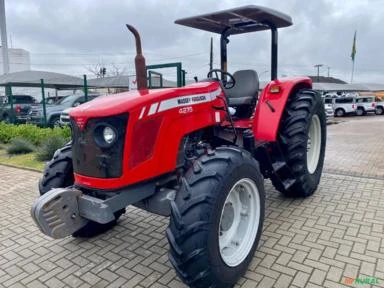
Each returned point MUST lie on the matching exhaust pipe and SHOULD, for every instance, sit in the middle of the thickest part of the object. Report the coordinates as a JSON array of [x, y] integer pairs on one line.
[[141, 71]]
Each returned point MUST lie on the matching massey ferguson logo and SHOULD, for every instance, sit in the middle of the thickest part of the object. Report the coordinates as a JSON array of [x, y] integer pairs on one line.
[[199, 98], [194, 99], [183, 101]]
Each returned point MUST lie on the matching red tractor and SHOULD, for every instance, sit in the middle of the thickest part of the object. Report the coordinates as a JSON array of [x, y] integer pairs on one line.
[[198, 154]]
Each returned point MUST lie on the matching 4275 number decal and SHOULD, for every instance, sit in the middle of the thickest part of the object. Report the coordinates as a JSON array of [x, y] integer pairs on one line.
[[185, 110]]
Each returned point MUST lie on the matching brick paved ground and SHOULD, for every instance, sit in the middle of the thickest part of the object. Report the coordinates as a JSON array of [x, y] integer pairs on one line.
[[356, 147], [314, 242]]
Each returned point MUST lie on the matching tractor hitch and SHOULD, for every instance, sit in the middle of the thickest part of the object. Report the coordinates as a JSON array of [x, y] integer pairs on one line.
[[57, 213], [62, 211]]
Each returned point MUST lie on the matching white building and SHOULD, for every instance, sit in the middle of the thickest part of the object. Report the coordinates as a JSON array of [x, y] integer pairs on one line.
[[19, 60]]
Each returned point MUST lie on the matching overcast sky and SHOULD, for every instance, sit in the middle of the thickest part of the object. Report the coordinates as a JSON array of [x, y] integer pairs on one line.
[[69, 36]]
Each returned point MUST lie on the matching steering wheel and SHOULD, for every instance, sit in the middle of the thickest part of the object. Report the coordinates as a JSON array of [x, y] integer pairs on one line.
[[227, 83]]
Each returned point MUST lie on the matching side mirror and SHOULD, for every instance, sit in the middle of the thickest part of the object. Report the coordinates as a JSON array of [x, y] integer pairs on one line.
[[76, 104]]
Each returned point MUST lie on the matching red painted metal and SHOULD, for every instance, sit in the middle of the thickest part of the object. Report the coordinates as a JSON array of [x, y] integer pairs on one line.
[[143, 106], [159, 119], [266, 122], [239, 124]]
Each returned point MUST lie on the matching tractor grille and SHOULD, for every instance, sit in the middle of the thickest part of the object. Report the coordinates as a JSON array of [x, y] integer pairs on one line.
[[92, 160]]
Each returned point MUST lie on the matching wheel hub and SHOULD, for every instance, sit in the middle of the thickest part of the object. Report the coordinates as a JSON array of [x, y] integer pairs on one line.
[[313, 144], [239, 222], [228, 217]]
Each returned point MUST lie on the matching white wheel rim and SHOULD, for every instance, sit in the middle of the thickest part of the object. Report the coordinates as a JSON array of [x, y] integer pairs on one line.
[[239, 222], [313, 144]]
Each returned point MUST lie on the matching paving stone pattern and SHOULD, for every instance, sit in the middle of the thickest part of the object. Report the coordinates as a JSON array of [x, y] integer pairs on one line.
[[313, 242], [356, 147]]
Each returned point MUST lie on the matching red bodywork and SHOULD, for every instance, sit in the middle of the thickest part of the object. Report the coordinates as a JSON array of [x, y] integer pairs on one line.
[[266, 122], [159, 119]]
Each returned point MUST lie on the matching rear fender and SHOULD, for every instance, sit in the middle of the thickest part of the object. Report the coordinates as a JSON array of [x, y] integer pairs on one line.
[[271, 106]]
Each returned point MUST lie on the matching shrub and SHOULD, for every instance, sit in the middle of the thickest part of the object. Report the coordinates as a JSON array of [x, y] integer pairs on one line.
[[31, 132], [20, 146], [48, 147]]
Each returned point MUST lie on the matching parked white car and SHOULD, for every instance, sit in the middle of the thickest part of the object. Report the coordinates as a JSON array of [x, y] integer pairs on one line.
[[328, 105], [365, 104], [379, 110], [64, 117], [344, 105]]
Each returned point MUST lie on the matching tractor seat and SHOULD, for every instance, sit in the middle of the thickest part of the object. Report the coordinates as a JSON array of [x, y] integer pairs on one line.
[[245, 90]]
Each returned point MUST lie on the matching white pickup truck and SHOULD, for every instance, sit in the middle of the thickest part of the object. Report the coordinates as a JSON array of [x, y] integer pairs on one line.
[[344, 105], [379, 106], [365, 104]]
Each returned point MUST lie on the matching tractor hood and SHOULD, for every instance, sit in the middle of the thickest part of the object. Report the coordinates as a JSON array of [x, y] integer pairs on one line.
[[116, 104]]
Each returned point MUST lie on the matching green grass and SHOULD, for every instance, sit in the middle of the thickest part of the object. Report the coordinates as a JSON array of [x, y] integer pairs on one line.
[[21, 161]]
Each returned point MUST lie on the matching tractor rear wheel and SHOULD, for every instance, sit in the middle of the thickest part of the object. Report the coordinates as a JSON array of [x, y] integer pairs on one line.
[[301, 140], [217, 218], [59, 173]]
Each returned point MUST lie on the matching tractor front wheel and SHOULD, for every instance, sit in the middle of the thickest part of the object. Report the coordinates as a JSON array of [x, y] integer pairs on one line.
[[301, 142], [217, 218], [58, 173]]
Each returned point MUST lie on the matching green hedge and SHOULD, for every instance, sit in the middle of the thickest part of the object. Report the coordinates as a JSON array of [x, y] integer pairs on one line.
[[49, 146], [30, 132], [20, 146]]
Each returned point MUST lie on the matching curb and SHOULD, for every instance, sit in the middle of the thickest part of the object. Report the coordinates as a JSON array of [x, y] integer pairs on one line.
[[21, 168]]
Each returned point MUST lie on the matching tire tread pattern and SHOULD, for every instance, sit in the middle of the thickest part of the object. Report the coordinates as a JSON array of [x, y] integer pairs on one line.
[[292, 141], [191, 263]]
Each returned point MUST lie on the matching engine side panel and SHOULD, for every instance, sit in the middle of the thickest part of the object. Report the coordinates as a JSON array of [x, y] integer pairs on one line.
[[270, 106]]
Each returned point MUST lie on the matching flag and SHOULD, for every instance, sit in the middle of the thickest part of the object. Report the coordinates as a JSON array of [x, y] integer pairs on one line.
[[353, 48]]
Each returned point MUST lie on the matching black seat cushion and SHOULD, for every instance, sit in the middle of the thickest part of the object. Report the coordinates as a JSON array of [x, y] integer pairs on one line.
[[245, 90]]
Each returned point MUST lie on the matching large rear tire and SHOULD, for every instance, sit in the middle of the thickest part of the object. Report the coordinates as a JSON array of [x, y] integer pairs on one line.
[[217, 218], [59, 173], [301, 140]]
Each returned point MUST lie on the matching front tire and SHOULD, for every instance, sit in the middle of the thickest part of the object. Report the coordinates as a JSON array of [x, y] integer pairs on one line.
[[217, 218], [360, 111], [58, 173], [54, 122], [379, 110], [301, 141], [340, 112]]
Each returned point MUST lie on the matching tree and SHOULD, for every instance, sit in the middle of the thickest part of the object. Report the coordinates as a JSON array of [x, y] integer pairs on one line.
[[102, 70]]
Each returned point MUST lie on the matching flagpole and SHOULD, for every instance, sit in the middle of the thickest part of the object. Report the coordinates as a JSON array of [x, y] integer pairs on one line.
[[353, 54], [353, 70]]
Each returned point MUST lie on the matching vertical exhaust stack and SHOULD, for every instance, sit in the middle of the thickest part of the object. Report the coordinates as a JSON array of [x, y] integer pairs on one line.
[[141, 71]]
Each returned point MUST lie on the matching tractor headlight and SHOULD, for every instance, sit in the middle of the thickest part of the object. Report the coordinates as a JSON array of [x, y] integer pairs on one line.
[[105, 135], [109, 135]]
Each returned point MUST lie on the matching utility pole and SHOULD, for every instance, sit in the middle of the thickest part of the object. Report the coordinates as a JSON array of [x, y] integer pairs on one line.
[[211, 56], [329, 68], [318, 71], [4, 38]]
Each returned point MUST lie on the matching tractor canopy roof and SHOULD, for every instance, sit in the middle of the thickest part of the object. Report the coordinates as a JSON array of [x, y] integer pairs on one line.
[[239, 20]]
